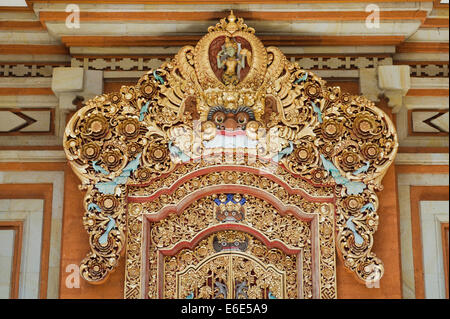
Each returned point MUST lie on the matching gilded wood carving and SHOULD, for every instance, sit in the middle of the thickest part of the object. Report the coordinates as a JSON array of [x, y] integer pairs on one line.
[[231, 112]]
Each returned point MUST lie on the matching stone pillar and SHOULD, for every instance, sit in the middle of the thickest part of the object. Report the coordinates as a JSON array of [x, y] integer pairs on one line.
[[69, 83]]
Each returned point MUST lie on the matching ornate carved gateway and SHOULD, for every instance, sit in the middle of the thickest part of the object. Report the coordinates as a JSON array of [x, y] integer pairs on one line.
[[230, 172]]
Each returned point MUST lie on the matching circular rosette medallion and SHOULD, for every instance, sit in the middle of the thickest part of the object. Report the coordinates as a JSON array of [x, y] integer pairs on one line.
[[129, 128], [95, 127], [90, 151]]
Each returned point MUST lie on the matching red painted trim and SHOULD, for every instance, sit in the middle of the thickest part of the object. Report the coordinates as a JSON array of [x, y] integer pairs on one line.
[[228, 226], [234, 166], [231, 133], [279, 206], [182, 205], [208, 170]]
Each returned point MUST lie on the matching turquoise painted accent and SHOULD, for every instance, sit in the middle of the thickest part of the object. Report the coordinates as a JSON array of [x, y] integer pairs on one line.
[[190, 296], [368, 206], [144, 110], [358, 239], [302, 79], [318, 111], [284, 152], [352, 187], [120, 180], [133, 165], [175, 151], [271, 296], [98, 168], [104, 238], [339, 179], [328, 165], [355, 188], [110, 187], [107, 188], [157, 77], [94, 206], [125, 174], [362, 169]]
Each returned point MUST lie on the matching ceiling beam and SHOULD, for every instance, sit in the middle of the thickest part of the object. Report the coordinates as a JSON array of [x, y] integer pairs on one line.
[[268, 40], [55, 16]]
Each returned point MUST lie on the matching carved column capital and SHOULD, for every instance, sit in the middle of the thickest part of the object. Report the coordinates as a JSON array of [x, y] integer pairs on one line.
[[392, 81], [395, 82], [368, 83], [70, 83]]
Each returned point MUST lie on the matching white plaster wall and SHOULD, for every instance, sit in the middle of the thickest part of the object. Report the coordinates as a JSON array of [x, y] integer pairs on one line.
[[6, 261], [57, 179], [432, 214], [30, 211], [405, 181]]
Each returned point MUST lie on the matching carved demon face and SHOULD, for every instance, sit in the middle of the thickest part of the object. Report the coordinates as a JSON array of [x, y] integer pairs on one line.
[[223, 244], [231, 120], [230, 214]]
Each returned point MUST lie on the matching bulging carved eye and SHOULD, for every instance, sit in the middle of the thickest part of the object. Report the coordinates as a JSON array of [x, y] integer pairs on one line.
[[242, 118], [219, 117]]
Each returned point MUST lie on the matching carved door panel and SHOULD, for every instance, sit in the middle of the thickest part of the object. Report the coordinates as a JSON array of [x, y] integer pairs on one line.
[[256, 251], [231, 276], [231, 270]]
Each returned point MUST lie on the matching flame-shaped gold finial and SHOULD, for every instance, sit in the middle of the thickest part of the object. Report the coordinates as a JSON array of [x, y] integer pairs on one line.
[[231, 26], [231, 17]]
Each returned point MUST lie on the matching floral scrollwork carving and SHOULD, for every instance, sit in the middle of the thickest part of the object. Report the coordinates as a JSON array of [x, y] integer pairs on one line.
[[230, 101]]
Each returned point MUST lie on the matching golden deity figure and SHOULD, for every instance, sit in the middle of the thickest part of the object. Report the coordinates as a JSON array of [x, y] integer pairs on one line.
[[232, 58]]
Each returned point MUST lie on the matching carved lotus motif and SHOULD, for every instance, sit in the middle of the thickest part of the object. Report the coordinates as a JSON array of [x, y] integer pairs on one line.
[[365, 126], [129, 128], [90, 151], [96, 127], [113, 159], [370, 151], [332, 129], [115, 98]]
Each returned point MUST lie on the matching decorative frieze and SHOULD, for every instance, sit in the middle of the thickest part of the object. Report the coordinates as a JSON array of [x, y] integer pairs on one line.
[[309, 63], [341, 63], [429, 70], [143, 63], [26, 70], [428, 122], [118, 64]]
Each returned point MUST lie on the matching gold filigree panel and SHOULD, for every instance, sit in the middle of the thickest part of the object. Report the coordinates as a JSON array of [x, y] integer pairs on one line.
[[294, 230], [230, 101], [205, 273]]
